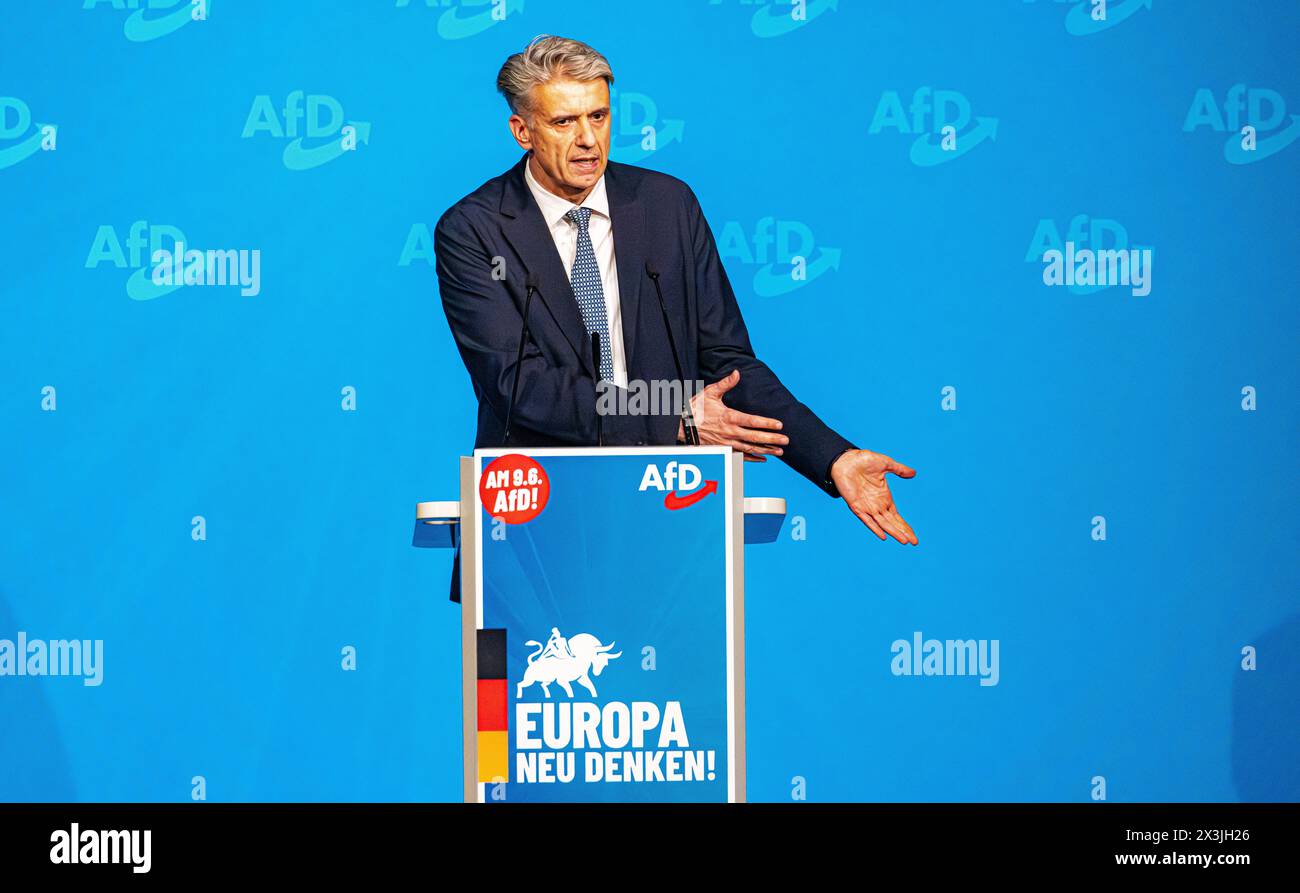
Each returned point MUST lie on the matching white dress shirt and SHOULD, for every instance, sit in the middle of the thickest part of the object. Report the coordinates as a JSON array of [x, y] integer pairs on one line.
[[601, 229]]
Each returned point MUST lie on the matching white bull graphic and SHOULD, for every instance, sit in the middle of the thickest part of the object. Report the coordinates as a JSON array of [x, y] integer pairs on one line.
[[588, 655]]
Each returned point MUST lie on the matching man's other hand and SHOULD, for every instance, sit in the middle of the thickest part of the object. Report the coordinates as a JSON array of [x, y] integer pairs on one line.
[[720, 425], [859, 475]]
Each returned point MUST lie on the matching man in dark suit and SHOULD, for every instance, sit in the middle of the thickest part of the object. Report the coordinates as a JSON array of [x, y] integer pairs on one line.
[[593, 235]]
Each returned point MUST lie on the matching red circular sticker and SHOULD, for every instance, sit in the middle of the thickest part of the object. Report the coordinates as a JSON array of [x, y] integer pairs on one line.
[[514, 488]]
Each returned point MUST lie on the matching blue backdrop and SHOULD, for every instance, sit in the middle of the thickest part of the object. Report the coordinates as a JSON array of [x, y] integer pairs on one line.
[[221, 486]]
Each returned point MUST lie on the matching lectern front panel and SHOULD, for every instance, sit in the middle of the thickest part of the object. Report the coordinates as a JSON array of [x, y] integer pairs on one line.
[[605, 612]]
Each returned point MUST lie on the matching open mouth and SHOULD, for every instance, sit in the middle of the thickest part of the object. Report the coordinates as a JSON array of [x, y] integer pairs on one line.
[[585, 165]]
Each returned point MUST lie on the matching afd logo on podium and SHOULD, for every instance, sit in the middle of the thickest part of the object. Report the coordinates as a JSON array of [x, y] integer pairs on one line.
[[681, 480]]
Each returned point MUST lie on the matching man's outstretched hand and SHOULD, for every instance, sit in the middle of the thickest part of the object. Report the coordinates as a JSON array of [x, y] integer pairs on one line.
[[859, 475], [720, 425]]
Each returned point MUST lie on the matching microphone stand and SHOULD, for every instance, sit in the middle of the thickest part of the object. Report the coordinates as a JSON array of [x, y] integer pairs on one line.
[[519, 356], [688, 418]]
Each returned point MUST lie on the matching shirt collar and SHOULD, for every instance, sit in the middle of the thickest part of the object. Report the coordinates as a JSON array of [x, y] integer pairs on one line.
[[554, 207]]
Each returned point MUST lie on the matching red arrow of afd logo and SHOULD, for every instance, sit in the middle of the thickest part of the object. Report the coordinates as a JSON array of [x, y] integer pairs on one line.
[[673, 502]]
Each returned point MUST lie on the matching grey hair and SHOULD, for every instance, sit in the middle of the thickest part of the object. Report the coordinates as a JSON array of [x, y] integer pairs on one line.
[[545, 59]]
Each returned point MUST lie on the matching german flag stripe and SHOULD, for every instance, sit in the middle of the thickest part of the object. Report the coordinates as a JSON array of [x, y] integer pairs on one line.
[[493, 707], [491, 654], [493, 757]]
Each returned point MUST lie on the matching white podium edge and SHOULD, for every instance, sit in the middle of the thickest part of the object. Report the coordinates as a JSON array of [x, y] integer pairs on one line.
[[469, 632], [736, 543], [448, 511]]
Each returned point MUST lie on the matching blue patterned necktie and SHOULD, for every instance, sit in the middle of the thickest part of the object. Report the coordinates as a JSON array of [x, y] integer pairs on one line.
[[585, 279]]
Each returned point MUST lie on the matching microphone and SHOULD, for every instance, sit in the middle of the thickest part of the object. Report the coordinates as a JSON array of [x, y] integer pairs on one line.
[[688, 418], [595, 358], [529, 288]]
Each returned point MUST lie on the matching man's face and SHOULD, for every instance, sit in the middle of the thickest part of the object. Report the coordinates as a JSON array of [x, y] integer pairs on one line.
[[567, 129]]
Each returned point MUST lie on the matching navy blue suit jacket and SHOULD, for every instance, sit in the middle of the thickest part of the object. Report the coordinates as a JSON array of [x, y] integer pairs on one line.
[[656, 218]]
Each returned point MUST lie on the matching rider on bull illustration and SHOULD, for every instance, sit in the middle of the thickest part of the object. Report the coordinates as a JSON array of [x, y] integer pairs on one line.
[[556, 646]]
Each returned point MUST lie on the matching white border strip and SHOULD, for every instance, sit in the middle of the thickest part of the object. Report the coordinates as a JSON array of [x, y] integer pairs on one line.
[[731, 632]]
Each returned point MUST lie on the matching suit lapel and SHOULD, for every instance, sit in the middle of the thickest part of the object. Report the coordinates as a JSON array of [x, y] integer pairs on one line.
[[629, 252], [525, 229]]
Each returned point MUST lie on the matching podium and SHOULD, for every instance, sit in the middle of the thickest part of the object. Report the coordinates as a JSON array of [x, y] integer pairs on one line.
[[602, 621]]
